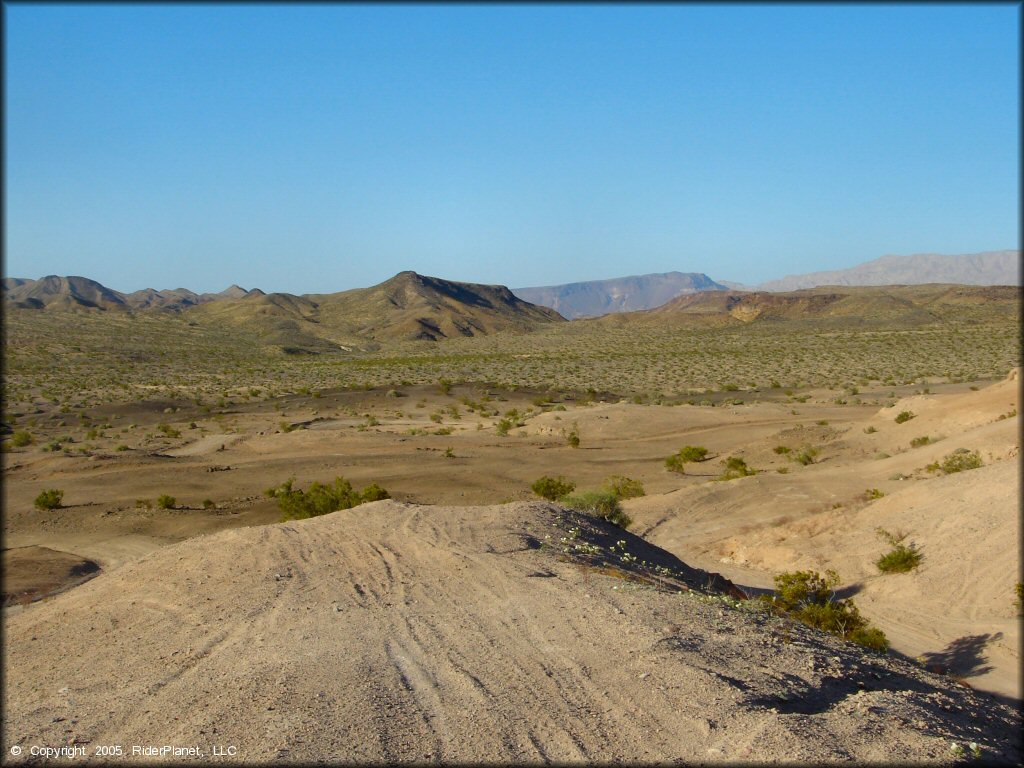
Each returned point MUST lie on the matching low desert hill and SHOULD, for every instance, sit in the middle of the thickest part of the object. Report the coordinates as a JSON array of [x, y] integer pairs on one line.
[[904, 304], [395, 632], [54, 293], [989, 268], [414, 306], [624, 294], [409, 306]]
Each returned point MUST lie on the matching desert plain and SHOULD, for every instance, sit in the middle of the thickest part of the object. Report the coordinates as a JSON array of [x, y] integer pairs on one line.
[[466, 619]]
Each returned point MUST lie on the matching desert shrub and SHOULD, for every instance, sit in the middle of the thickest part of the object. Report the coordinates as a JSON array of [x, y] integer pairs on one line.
[[322, 499], [959, 460], [600, 504], [623, 487], [808, 597], [688, 453], [165, 501], [552, 488], [900, 560], [917, 442], [572, 437], [904, 416], [21, 438], [208, 504], [49, 499], [503, 426], [374, 492], [736, 467], [444, 386], [870, 430], [781, 449], [873, 493], [1018, 591], [806, 456], [167, 429]]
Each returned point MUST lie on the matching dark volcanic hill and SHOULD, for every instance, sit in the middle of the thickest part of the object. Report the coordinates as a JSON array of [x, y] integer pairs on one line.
[[623, 294], [989, 268], [409, 306]]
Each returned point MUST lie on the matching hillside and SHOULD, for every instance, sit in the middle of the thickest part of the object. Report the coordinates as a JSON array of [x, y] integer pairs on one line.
[[623, 294], [989, 268], [413, 306], [55, 293], [847, 305], [402, 633]]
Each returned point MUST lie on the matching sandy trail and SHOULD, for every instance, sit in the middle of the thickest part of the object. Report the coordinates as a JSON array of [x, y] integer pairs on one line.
[[404, 633]]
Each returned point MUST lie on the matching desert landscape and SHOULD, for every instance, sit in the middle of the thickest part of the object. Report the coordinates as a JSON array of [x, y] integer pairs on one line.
[[568, 539]]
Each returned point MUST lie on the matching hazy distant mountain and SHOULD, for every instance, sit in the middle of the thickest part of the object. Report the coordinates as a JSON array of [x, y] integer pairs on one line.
[[53, 292], [989, 268], [622, 294]]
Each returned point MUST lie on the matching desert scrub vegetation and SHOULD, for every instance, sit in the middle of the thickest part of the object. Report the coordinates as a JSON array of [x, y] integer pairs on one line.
[[168, 355], [917, 442], [21, 438], [735, 467], [552, 488], [809, 597], [166, 501], [321, 499], [599, 504], [623, 487], [49, 499], [686, 455], [904, 416], [959, 460], [902, 557], [805, 456]]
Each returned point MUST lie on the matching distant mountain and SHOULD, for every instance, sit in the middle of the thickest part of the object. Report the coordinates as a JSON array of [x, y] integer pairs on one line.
[[622, 294], [53, 292], [989, 268]]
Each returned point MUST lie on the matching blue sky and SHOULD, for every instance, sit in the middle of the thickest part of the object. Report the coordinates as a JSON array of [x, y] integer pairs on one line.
[[324, 147]]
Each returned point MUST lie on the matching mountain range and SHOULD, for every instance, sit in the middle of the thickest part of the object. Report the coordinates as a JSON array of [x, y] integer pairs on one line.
[[623, 294], [410, 306]]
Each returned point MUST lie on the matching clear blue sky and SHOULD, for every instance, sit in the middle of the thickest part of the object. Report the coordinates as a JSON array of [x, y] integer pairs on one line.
[[324, 147]]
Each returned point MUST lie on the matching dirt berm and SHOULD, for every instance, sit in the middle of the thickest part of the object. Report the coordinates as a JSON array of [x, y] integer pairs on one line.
[[402, 633]]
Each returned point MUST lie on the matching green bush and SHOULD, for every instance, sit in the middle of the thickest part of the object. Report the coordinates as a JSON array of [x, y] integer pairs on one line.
[[572, 437], [322, 499], [688, 453], [21, 438], [504, 426], [806, 456], [870, 430], [904, 416], [164, 501], [900, 560], [917, 442], [623, 487], [49, 499], [600, 504], [552, 488], [781, 449], [808, 597], [736, 467], [873, 493], [208, 504], [959, 460]]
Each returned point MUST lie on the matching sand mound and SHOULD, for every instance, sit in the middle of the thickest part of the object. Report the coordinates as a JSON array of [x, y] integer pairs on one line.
[[396, 632]]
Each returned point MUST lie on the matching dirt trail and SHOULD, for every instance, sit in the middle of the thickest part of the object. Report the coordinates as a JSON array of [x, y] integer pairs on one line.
[[403, 633]]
